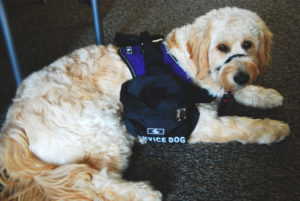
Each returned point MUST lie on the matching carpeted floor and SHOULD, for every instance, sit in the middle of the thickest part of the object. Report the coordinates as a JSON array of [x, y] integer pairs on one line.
[[231, 171]]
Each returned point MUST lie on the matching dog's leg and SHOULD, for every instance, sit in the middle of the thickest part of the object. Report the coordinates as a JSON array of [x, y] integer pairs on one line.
[[256, 96], [108, 183], [211, 128], [110, 186], [26, 177]]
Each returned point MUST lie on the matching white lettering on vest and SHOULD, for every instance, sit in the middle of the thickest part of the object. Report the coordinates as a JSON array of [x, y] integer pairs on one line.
[[171, 140]]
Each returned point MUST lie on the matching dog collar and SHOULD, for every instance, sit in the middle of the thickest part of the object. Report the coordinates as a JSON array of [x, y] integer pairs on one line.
[[133, 56], [227, 98]]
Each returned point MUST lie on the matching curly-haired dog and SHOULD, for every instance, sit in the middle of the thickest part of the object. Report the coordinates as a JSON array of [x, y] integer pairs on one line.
[[63, 138]]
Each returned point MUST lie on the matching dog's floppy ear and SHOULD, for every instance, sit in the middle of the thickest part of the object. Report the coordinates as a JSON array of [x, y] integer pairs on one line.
[[197, 47], [263, 54]]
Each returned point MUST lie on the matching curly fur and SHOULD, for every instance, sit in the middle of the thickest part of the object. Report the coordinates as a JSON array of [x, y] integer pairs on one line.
[[63, 138]]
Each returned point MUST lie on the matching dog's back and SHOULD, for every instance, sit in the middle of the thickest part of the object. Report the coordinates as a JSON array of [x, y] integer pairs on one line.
[[61, 117]]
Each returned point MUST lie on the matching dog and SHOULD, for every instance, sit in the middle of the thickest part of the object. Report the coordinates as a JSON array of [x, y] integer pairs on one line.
[[64, 139]]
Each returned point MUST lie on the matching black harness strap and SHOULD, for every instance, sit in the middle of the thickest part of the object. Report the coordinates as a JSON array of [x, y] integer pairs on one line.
[[233, 56]]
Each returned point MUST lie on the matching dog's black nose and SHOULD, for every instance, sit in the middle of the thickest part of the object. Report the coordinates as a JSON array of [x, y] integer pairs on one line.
[[241, 78]]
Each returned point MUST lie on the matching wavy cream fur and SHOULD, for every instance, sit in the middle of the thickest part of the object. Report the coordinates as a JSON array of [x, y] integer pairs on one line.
[[64, 139]]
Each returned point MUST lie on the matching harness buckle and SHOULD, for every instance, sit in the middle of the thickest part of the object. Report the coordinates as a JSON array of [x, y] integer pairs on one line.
[[181, 114]]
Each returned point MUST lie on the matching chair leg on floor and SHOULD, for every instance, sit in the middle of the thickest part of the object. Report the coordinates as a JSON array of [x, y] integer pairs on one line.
[[97, 22], [9, 44]]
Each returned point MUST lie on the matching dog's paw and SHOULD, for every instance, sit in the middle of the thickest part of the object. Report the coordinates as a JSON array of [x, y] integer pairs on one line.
[[111, 186], [152, 196], [270, 131], [272, 98], [256, 96], [144, 192]]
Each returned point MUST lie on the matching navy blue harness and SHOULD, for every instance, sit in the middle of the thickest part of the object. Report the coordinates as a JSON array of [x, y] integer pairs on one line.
[[160, 101]]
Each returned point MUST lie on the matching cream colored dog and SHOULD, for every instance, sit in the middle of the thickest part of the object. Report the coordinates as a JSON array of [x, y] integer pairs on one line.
[[64, 139]]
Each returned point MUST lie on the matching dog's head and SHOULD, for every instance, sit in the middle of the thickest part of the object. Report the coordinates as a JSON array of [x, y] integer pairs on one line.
[[228, 46]]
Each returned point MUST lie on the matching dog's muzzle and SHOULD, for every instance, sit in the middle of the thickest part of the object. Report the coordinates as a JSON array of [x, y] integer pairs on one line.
[[241, 77]]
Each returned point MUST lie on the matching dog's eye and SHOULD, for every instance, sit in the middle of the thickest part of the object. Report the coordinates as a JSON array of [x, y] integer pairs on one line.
[[223, 48], [246, 45]]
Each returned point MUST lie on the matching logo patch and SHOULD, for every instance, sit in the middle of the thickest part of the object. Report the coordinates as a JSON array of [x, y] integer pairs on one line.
[[155, 131], [129, 50]]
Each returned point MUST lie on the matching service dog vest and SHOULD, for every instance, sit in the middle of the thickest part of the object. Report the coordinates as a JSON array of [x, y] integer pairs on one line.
[[159, 102]]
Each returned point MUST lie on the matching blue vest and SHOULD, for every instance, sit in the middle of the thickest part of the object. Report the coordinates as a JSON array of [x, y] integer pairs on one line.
[[133, 56], [159, 102]]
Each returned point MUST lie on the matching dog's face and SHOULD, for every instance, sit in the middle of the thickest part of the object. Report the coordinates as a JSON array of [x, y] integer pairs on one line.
[[230, 46]]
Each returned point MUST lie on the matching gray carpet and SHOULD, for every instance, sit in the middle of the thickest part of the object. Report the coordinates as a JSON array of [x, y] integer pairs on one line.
[[206, 172]]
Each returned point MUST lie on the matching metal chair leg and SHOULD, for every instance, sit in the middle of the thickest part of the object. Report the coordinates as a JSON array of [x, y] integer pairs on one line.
[[97, 22], [9, 44]]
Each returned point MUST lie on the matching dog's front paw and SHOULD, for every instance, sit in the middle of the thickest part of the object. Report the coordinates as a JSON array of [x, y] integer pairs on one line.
[[152, 196], [270, 131], [242, 129], [144, 192], [256, 96], [272, 98]]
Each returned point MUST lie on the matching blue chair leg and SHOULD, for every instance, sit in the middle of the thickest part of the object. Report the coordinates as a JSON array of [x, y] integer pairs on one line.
[[97, 22], [9, 44]]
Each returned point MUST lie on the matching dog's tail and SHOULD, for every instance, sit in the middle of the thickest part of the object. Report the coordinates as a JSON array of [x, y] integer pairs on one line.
[[26, 177]]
